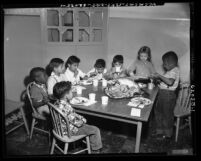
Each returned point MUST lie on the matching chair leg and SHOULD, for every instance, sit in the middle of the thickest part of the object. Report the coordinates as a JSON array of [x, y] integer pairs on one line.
[[32, 127], [177, 129], [66, 148], [88, 145], [189, 121], [53, 144]]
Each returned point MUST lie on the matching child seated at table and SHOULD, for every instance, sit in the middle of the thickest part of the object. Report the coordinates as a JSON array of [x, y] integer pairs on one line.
[[117, 70], [73, 73], [56, 67], [77, 123], [38, 91], [164, 109], [142, 67], [99, 70]]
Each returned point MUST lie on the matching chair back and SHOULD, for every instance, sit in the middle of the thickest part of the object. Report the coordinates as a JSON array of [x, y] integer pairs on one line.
[[183, 104], [59, 121], [28, 94]]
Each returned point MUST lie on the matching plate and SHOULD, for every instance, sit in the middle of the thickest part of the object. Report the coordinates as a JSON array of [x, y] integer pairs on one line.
[[79, 100], [141, 100]]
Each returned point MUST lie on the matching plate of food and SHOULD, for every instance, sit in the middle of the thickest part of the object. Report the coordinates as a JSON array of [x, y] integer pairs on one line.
[[122, 88], [141, 101], [79, 100]]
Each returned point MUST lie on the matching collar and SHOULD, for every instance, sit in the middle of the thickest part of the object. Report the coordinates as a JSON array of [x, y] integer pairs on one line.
[[39, 85]]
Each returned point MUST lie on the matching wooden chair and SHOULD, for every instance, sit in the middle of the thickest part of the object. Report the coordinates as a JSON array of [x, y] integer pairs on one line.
[[58, 133], [36, 116], [183, 107]]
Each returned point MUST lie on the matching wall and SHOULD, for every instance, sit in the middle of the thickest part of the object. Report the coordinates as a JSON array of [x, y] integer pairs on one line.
[[126, 36], [22, 51]]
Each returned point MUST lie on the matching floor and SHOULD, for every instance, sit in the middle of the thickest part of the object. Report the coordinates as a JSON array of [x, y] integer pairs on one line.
[[117, 137]]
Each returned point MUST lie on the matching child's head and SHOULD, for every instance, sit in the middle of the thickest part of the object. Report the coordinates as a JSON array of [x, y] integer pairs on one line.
[[170, 60], [38, 75], [62, 90], [56, 65], [118, 61], [72, 63], [144, 54], [100, 65]]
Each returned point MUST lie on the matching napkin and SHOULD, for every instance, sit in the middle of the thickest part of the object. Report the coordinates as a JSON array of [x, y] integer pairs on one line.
[[135, 112], [89, 103], [135, 105]]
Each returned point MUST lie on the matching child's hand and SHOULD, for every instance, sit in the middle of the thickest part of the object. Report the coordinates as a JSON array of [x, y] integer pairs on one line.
[[76, 73], [115, 75], [85, 77], [154, 75], [93, 74], [46, 100]]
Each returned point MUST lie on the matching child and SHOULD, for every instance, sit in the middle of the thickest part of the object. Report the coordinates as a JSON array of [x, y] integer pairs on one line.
[[56, 67], [38, 91], [166, 96], [62, 91], [117, 70], [143, 66], [72, 73], [99, 70]]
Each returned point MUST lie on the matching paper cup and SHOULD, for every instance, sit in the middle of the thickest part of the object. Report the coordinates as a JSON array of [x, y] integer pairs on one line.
[[104, 83], [92, 96], [79, 91], [118, 69], [104, 100], [95, 82], [150, 86]]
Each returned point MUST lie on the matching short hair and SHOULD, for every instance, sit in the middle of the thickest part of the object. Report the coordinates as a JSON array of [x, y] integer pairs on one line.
[[118, 58], [100, 63], [71, 60], [34, 71], [171, 56], [145, 49], [54, 63], [61, 88]]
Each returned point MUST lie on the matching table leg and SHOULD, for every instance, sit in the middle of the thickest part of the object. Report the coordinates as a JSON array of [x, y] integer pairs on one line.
[[25, 120], [138, 137]]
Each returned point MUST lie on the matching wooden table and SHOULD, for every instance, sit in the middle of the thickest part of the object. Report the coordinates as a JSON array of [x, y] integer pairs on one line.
[[11, 106], [117, 109]]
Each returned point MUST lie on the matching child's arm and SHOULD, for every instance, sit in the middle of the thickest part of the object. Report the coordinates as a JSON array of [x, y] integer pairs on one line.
[[131, 69], [50, 84], [37, 98], [168, 81]]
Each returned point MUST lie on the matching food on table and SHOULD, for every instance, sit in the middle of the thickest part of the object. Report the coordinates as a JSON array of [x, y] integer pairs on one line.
[[122, 88], [79, 100], [141, 101]]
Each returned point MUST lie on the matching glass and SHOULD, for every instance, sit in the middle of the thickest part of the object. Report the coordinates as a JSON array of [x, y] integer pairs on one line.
[[52, 18], [67, 36], [67, 19], [53, 35], [97, 35], [84, 19], [97, 19], [83, 35]]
